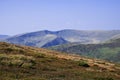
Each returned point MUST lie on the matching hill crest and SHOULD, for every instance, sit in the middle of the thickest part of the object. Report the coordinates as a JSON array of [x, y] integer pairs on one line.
[[41, 38]]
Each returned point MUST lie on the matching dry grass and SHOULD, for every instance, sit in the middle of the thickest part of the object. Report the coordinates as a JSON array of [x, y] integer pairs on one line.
[[28, 63], [17, 60]]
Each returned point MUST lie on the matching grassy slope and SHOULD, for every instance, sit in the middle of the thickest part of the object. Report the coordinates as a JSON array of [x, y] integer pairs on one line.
[[27, 63], [108, 51]]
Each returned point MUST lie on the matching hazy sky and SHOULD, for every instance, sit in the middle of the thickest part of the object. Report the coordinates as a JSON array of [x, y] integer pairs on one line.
[[20, 16]]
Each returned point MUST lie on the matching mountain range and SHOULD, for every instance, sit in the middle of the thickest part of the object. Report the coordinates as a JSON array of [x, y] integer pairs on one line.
[[3, 37], [47, 38]]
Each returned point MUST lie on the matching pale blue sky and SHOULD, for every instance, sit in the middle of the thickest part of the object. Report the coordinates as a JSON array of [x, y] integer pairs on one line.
[[20, 16]]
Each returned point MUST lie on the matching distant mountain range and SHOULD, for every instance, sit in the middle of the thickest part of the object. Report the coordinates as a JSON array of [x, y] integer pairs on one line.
[[37, 39], [47, 38], [3, 36]]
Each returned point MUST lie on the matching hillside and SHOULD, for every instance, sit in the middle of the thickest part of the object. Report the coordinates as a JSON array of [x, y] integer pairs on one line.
[[108, 51], [28, 63], [56, 41], [47, 38]]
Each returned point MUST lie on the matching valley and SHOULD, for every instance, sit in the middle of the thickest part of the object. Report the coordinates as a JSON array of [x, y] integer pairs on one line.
[[109, 51]]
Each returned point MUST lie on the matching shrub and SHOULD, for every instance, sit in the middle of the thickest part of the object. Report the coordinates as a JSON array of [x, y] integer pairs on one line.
[[83, 63], [9, 49]]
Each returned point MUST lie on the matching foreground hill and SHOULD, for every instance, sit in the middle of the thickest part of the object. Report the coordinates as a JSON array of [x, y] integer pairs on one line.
[[108, 51], [51, 38], [28, 63]]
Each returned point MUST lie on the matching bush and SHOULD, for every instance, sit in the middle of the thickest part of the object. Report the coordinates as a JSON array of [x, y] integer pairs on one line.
[[83, 63], [9, 49]]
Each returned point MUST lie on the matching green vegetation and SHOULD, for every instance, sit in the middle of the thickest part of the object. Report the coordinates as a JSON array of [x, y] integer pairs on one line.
[[27, 63], [107, 51], [83, 63]]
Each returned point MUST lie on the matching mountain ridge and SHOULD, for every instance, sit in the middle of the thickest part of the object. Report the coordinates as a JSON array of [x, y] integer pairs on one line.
[[40, 38]]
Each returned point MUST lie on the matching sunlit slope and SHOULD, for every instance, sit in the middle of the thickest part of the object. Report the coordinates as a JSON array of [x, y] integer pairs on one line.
[[28, 63]]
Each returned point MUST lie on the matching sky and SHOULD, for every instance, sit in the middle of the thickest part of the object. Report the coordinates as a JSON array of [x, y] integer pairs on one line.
[[21, 16]]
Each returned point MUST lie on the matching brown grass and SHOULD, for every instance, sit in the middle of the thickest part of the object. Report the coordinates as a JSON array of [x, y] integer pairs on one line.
[[28, 63]]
